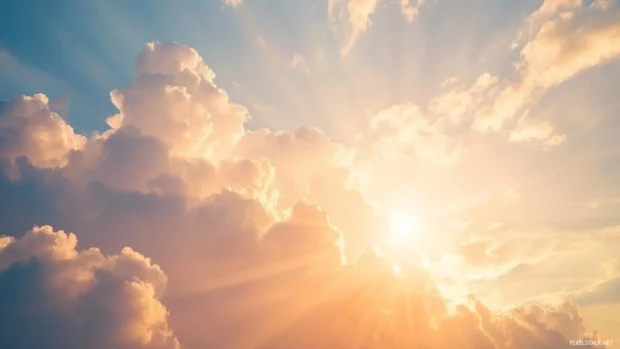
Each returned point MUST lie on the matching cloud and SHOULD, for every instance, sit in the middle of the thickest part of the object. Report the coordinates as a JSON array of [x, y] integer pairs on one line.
[[185, 108], [28, 127], [309, 165], [405, 312], [606, 291], [461, 101], [356, 17], [359, 20], [491, 257], [307, 229], [405, 132], [74, 299], [560, 40], [299, 63], [233, 3], [409, 11], [528, 129], [567, 38]]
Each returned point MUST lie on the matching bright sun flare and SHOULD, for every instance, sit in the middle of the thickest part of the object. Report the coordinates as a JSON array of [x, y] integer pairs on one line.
[[403, 230]]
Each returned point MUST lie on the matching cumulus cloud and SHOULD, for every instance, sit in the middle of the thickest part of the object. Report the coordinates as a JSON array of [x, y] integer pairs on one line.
[[307, 229], [29, 127], [174, 98], [146, 175], [299, 158], [78, 299], [309, 165]]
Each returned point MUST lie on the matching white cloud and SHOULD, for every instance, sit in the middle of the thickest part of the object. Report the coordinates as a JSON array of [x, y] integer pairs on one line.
[[405, 132], [28, 127], [529, 129], [299, 63], [356, 17], [409, 11], [233, 3], [359, 13], [185, 109], [561, 39], [74, 299]]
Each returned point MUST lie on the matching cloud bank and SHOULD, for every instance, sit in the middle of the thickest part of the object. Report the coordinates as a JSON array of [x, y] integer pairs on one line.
[[54, 296]]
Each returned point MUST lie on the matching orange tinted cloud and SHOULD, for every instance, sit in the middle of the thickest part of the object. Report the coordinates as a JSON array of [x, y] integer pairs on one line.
[[77, 299]]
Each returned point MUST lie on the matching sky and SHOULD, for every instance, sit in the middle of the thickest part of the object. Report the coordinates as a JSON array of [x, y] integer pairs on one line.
[[305, 174]]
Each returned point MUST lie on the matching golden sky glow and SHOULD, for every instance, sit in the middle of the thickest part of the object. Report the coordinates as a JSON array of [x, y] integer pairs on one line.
[[332, 174]]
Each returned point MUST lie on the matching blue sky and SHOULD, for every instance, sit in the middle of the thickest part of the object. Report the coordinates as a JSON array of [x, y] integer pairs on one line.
[[82, 50], [85, 49]]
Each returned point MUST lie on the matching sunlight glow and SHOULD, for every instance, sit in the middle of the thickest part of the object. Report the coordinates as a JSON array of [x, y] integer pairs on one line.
[[401, 226], [403, 230]]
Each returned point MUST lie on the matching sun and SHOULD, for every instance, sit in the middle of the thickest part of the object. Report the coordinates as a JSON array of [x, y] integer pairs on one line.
[[400, 225], [403, 230]]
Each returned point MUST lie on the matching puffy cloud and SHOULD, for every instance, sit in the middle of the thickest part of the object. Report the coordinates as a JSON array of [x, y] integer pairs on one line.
[[128, 159], [28, 127], [134, 178], [306, 230], [174, 98], [74, 299], [299, 157], [173, 227], [309, 165]]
